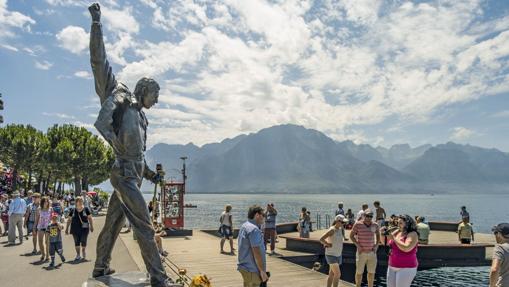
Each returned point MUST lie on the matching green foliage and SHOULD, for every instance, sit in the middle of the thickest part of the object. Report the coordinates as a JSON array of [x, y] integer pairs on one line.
[[65, 153]]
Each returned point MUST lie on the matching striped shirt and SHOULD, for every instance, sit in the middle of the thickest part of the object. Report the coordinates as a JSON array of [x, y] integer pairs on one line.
[[365, 235]]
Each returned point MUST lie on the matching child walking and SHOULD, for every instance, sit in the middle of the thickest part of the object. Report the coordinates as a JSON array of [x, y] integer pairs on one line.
[[55, 239]]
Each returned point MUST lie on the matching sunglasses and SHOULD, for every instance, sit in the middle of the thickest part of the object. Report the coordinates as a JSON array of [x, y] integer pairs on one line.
[[369, 216]]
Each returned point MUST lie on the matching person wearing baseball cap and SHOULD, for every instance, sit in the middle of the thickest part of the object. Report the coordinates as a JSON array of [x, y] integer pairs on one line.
[[54, 231], [332, 241], [365, 235], [499, 275]]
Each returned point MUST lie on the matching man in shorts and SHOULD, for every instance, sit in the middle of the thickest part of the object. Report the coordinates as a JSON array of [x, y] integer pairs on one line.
[[465, 231], [363, 235], [380, 213]]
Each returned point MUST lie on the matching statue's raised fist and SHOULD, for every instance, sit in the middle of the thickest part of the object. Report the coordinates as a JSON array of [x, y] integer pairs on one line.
[[95, 11]]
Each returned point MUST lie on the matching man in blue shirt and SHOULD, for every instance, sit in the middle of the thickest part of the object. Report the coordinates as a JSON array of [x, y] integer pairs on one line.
[[17, 209], [340, 209], [251, 249]]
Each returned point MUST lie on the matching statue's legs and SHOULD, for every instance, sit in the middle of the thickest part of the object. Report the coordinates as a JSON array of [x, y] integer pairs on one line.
[[115, 219], [126, 179]]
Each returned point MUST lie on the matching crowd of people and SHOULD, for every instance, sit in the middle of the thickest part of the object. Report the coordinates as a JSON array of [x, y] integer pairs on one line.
[[42, 217], [370, 230]]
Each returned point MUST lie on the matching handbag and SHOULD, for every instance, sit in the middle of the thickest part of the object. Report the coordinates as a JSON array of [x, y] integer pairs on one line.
[[83, 224]]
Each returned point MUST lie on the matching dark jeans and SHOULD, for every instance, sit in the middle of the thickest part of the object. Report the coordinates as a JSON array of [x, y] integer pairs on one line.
[[127, 200], [270, 234], [55, 247]]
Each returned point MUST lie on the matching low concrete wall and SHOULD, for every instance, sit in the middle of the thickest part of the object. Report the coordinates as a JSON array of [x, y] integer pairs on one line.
[[443, 226], [286, 227], [280, 228], [429, 256]]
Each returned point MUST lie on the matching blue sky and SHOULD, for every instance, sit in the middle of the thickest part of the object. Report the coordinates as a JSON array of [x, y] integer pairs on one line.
[[392, 72]]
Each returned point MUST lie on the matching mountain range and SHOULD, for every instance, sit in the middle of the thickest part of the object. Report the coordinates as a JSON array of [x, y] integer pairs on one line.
[[294, 159]]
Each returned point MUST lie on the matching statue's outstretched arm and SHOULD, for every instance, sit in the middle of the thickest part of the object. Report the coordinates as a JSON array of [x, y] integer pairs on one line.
[[104, 78]]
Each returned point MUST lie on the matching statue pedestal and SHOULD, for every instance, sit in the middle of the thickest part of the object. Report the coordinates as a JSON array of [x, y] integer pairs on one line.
[[126, 279]]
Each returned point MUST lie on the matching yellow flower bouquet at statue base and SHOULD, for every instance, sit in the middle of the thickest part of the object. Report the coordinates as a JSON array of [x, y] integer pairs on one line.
[[200, 280]]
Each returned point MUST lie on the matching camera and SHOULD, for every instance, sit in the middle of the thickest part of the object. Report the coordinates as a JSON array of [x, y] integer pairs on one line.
[[388, 230], [264, 284]]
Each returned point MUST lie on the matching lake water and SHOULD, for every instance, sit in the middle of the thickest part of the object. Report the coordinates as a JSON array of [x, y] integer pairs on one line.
[[485, 210]]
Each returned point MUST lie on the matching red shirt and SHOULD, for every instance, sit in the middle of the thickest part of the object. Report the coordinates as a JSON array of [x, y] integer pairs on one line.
[[365, 235]]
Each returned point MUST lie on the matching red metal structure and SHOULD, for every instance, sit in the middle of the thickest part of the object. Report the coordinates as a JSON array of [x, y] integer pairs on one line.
[[172, 201]]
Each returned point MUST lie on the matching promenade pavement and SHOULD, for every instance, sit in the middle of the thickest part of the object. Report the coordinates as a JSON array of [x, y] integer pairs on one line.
[[17, 270]]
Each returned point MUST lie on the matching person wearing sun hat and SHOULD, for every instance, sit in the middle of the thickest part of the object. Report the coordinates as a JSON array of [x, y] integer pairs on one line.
[[499, 275], [17, 210], [332, 241]]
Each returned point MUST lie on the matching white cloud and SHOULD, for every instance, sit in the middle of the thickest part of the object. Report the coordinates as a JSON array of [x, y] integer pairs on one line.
[[58, 115], [83, 74], [9, 47], [64, 2], [34, 50], [88, 126], [73, 38], [12, 19], [461, 134], [501, 114], [43, 65], [120, 20], [242, 65]]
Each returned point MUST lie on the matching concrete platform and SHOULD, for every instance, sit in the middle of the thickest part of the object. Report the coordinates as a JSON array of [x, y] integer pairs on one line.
[[200, 254]]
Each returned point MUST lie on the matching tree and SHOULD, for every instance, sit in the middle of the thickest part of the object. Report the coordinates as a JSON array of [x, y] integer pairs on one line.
[[85, 156], [21, 147], [66, 153]]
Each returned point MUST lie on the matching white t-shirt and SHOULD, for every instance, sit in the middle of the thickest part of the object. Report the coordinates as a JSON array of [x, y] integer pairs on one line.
[[360, 215], [226, 218], [337, 242]]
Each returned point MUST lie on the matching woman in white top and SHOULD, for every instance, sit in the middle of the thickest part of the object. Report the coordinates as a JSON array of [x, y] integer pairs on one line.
[[226, 228], [332, 240]]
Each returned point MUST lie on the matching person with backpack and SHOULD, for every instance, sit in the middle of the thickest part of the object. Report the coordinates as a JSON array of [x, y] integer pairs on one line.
[[81, 223], [226, 228]]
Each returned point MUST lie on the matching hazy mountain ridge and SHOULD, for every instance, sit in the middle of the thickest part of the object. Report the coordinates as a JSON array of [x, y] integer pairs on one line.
[[290, 158]]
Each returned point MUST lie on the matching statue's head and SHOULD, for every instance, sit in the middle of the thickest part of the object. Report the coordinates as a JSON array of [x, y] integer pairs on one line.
[[147, 92]]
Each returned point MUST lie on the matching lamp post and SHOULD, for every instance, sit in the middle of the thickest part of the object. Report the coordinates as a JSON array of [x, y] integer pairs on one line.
[[1, 109]]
